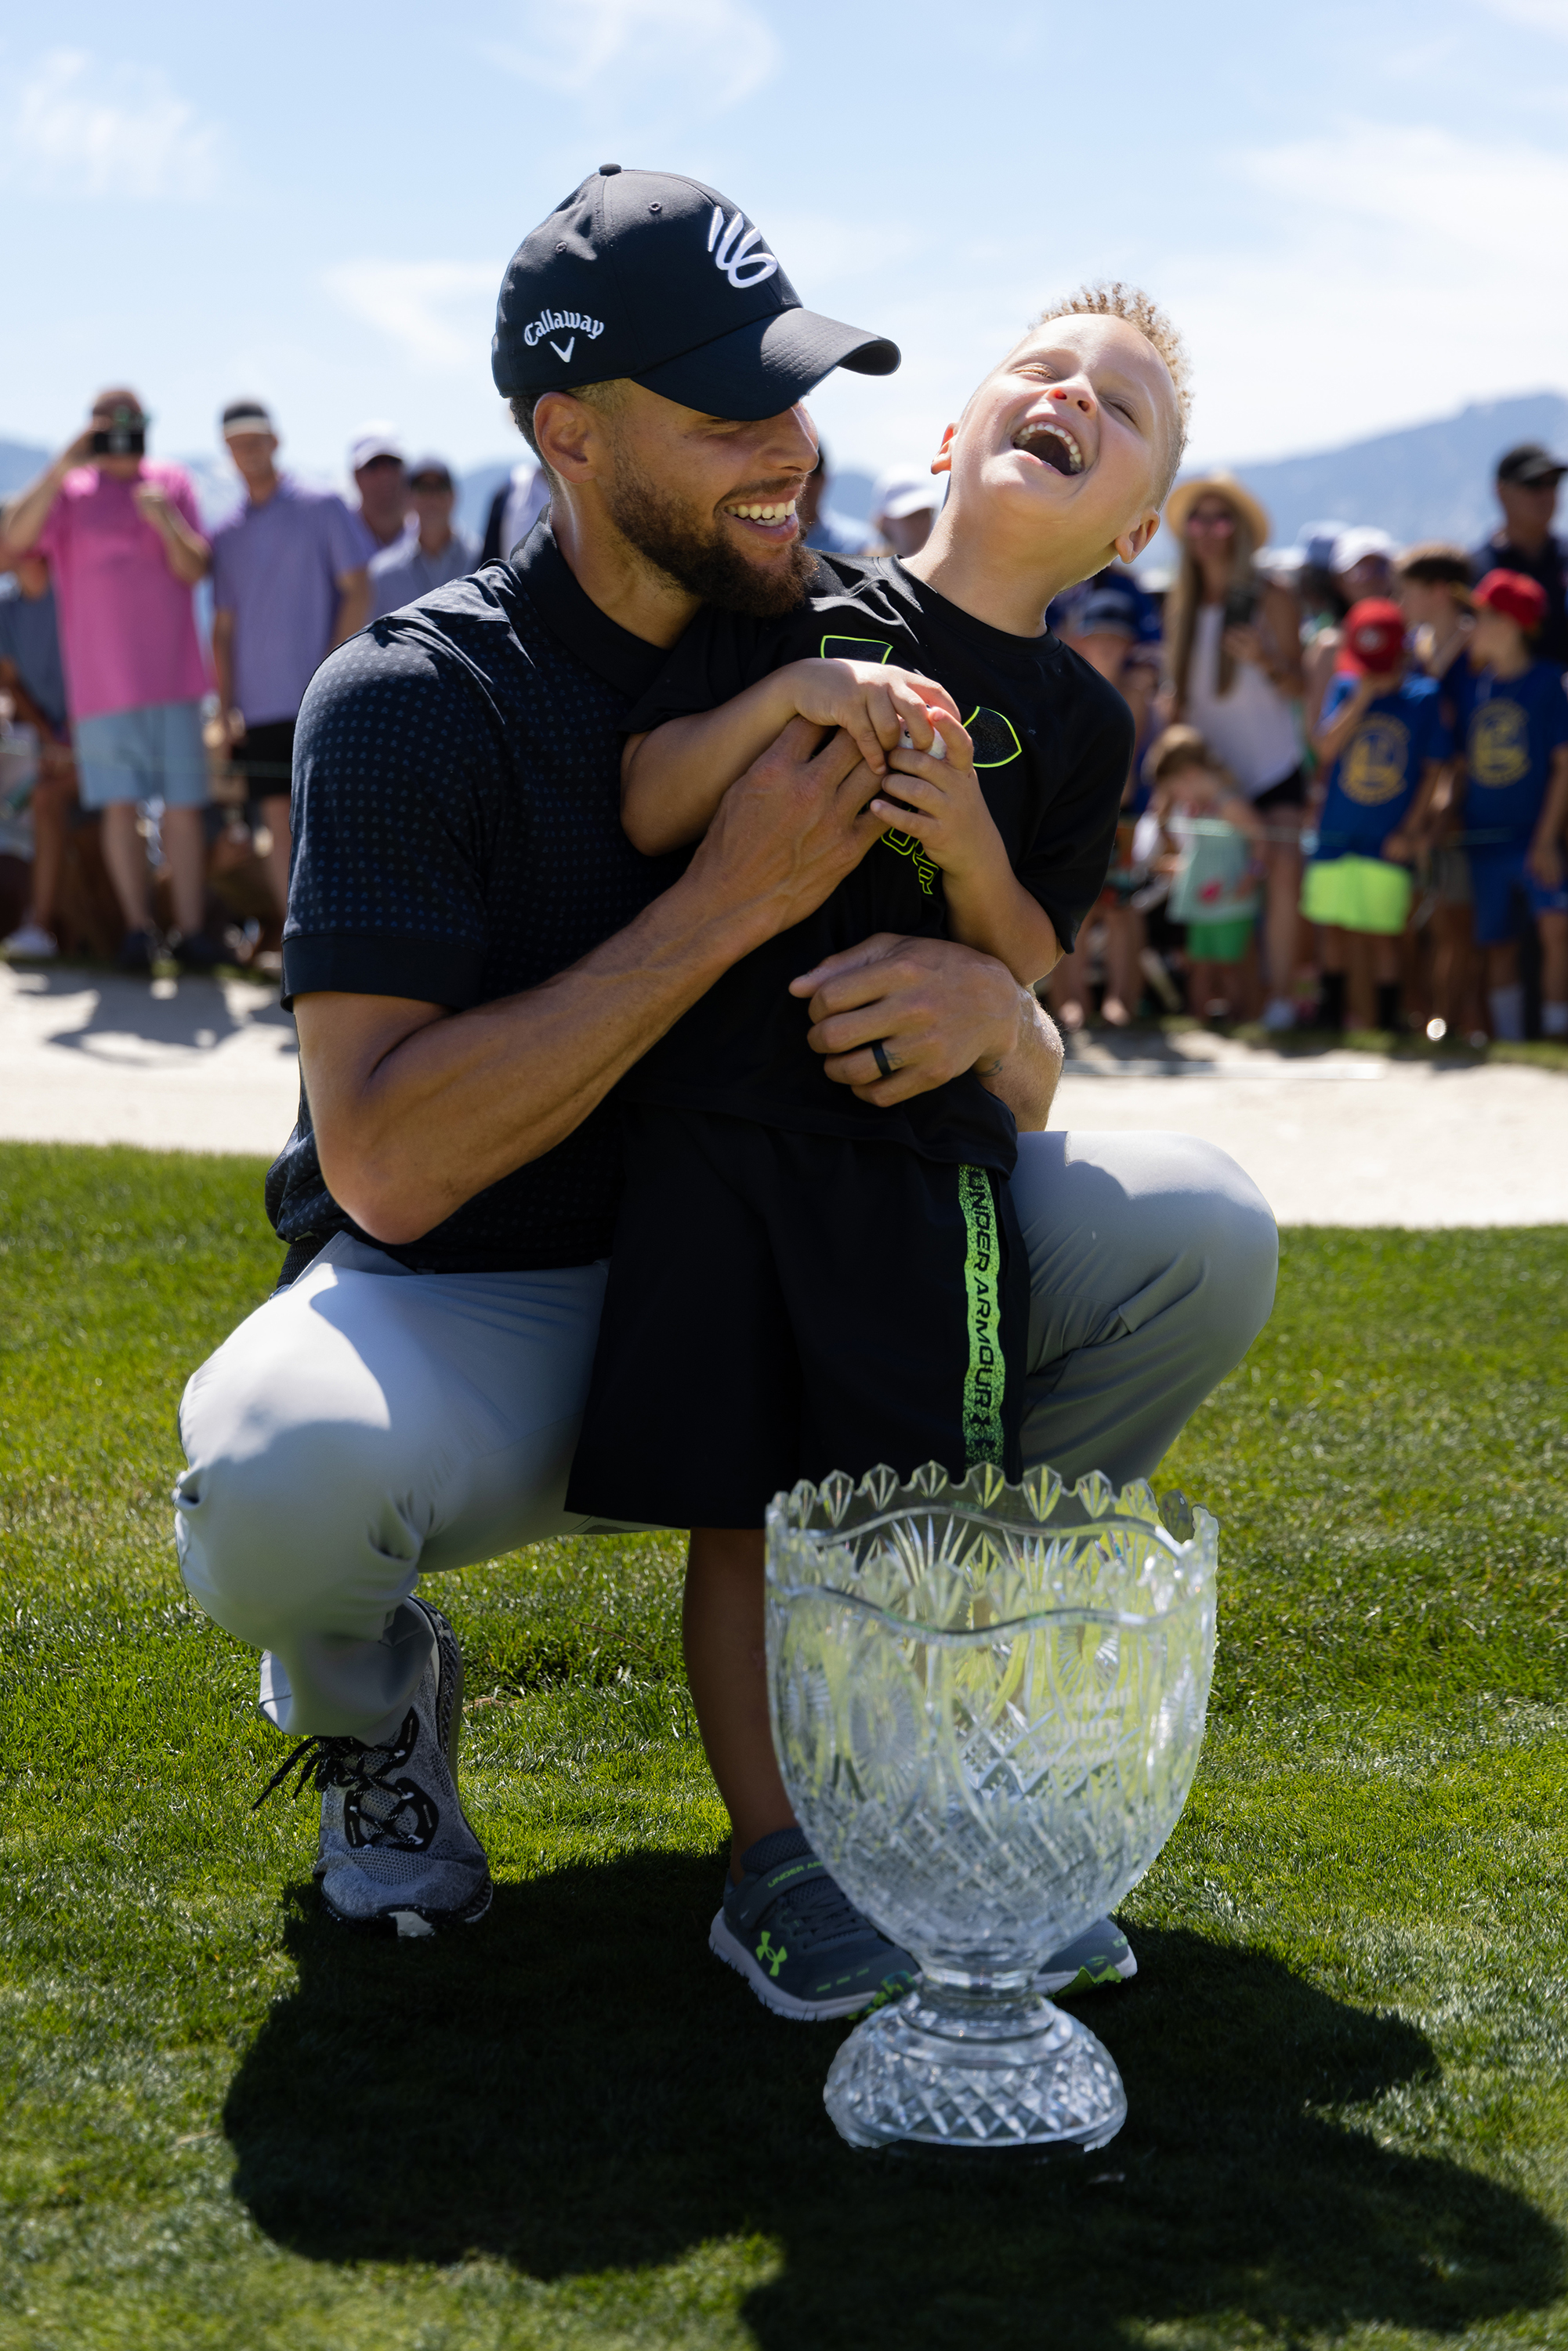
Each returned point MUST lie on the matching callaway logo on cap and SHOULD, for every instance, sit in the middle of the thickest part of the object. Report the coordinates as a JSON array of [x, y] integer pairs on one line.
[[643, 275]]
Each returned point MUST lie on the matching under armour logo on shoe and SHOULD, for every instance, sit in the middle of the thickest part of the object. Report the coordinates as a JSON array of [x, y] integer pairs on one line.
[[771, 1959], [732, 253]]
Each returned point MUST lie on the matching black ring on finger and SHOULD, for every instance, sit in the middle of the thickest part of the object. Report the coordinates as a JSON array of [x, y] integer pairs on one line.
[[879, 1055]]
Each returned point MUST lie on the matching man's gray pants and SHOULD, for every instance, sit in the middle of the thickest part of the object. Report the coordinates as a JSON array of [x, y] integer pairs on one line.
[[369, 1425]]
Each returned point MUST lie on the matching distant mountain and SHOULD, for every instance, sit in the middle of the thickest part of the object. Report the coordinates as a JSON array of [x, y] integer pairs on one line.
[[19, 462], [1430, 481]]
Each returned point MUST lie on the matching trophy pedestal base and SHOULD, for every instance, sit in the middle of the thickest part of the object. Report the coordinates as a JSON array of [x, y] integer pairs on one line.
[[962, 2070]]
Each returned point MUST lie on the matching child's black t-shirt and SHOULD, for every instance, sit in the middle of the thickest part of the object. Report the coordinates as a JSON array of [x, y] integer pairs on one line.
[[1052, 742]]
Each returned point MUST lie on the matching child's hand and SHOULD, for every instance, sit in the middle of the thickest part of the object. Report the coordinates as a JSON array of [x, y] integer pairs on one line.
[[1545, 858], [1397, 849], [940, 802], [876, 705]]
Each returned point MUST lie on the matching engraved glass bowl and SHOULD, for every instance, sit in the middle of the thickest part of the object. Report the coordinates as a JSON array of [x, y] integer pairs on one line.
[[987, 1702]]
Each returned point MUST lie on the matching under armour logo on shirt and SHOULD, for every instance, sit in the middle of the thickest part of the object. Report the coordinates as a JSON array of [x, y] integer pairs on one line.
[[742, 266]]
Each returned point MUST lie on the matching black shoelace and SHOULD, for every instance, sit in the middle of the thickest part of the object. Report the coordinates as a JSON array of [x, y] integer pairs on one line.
[[325, 1763]]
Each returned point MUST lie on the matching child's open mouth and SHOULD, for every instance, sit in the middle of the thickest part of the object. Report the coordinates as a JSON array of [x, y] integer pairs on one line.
[[1052, 444]]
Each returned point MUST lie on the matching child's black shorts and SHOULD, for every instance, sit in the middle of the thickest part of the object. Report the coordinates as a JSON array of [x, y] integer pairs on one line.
[[781, 1305]]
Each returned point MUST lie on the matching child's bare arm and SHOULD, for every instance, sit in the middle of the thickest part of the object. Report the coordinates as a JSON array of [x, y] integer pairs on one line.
[[1236, 811], [1545, 855], [939, 802], [1330, 739], [673, 778], [1431, 800]]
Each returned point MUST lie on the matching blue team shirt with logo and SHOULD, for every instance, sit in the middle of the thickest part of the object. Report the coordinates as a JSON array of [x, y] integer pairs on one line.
[[1373, 780], [1508, 729]]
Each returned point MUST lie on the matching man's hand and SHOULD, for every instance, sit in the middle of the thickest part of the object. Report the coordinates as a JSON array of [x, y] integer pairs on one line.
[[152, 503], [936, 1009], [786, 833]]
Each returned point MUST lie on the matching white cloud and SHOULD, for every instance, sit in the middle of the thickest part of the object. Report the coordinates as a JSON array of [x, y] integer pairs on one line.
[[1541, 16], [1398, 273], [722, 50], [413, 302], [82, 130]]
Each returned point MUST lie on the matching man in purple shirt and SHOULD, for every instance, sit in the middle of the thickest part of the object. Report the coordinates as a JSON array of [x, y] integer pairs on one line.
[[289, 583]]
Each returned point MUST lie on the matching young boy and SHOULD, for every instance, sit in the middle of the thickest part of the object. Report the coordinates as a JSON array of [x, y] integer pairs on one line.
[[1514, 720], [1383, 739], [834, 1271], [1220, 855]]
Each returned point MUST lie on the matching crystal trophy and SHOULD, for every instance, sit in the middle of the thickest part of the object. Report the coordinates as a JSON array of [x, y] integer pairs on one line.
[[988, 1701]]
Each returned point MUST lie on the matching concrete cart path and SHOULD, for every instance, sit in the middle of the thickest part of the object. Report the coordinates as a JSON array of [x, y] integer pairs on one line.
[[176, 1064], [1333, 1138], [1343, 1138]]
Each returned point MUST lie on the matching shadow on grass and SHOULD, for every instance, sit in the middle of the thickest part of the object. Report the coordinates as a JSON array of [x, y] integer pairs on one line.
[[576, 2086]]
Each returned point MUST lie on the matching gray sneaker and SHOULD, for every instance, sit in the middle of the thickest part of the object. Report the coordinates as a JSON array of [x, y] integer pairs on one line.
[[1101, 1955], [799, 1940], [396, 1852]]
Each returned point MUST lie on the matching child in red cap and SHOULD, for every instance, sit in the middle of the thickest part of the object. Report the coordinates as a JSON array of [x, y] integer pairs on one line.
[[1384, 742], [1513, 719]]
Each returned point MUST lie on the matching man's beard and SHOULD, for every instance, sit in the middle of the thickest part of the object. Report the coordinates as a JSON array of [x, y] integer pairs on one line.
[[704, 563]]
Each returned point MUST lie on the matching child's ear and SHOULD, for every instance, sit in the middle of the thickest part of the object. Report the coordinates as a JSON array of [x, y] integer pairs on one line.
[[1131, 544], [942, 461]]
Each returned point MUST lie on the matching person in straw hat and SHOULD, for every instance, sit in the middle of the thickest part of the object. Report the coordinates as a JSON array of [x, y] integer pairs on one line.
[[1234, 673]]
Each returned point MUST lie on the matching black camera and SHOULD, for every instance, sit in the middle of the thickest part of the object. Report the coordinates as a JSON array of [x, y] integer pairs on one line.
[[125, 436]]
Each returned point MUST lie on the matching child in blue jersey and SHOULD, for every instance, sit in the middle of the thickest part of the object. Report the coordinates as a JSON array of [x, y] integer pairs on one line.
[[1513, 715], [1385, 744]]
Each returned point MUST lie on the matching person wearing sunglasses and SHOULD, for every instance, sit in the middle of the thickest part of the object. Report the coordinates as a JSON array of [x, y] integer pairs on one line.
[[433, 551]]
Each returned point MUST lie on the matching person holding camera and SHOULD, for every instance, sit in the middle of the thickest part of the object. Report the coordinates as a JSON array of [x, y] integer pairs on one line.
[[123, 541], [1234, 657]]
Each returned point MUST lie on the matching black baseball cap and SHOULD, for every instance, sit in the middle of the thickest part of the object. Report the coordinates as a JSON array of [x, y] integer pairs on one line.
[[647, 275], [1531, 466]]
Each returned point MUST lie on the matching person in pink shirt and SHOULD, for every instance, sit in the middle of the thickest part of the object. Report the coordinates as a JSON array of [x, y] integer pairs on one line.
[[123, 538]]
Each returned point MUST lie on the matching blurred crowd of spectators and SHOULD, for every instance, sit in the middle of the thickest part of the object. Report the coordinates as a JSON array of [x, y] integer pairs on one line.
[[1347, 805]]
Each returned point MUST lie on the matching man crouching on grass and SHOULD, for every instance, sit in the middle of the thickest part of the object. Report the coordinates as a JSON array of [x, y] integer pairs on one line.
[[476, 954]]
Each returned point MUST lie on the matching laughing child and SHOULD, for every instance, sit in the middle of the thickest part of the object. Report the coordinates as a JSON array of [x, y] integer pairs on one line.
[[808, 1275]]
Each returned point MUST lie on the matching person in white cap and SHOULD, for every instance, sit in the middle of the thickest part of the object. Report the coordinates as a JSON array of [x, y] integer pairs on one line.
[[903, 505], [376, 463]]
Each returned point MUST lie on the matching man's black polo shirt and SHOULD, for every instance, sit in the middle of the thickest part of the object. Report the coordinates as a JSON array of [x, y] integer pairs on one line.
[[1549, 570], [458, 838]]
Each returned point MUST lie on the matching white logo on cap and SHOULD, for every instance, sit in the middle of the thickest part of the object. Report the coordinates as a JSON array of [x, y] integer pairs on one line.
[[552, 322], [740, 265]]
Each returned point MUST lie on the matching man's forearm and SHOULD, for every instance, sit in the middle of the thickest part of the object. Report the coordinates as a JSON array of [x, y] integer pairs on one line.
[[353, 608], [26, 515], [462, 1101], [415, 1110], [223, 659], [1028, 1077], [185, 552]]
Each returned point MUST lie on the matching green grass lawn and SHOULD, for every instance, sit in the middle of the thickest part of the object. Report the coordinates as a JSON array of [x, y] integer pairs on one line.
[[224, 2123]]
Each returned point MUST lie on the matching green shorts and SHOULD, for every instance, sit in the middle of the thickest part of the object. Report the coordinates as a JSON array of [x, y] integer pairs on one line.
[[1357, 894], [1219, 942]]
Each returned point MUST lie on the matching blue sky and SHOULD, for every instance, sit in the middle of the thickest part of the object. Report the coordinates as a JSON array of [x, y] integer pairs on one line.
[[1355, 210]]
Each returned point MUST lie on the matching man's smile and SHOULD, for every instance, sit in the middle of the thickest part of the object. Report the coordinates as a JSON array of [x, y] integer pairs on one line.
[[768, 518]]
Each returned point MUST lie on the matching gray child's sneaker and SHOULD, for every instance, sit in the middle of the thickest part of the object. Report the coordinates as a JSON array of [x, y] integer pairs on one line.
[[799, 1940], [396, 1852], [1101, 1955]]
